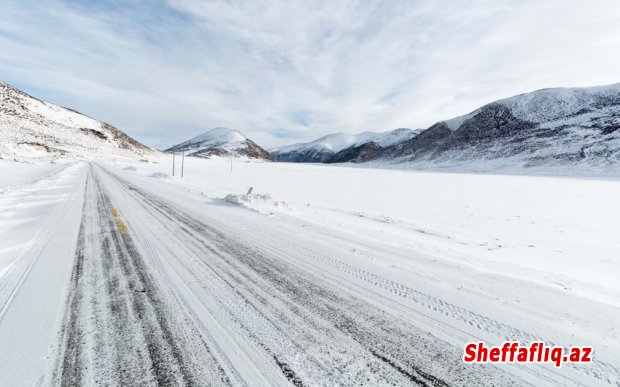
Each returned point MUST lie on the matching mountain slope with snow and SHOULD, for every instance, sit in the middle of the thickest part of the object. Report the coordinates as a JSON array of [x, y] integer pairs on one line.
[[563, 128], [325, 148], [222, 142], [30, 127]]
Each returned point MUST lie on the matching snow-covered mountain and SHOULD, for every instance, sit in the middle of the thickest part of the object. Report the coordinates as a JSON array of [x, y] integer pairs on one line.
[[340, 147], [222, 142], [30, 127], [567, 128]]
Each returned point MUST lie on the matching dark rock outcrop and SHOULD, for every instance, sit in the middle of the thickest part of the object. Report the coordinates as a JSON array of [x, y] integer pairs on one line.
[[358, 154]]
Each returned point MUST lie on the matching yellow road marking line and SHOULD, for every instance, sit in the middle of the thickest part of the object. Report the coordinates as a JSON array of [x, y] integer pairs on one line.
[[121, 226]]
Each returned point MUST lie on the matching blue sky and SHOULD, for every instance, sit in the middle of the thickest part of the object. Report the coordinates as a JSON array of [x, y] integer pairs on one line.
[[290, 71]]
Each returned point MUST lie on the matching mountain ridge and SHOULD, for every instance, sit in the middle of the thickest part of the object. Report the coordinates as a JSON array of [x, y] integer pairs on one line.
[[547, 128], [32, 127], [558, 127], [325, 148]]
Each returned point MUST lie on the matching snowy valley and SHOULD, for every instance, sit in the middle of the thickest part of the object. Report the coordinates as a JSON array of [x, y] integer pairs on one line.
[[114, 269], [310, 193]]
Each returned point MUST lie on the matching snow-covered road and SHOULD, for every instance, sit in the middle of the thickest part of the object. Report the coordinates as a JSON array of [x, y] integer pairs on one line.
[[155, 286], [260, 312]]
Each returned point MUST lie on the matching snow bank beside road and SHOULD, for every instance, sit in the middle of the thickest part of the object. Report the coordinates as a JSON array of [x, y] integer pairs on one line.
[[38, 223], [260, 203], [13, 173]]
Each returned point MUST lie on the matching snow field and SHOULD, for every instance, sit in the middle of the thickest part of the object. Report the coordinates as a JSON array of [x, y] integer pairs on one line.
[[538, 253]]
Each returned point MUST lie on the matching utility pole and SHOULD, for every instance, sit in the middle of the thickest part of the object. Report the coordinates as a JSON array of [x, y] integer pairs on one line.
[[172, 163], [182, 162], [231, 164]]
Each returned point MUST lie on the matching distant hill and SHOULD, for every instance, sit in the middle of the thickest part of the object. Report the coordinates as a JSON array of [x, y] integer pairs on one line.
[[340, 147], [221, 142]]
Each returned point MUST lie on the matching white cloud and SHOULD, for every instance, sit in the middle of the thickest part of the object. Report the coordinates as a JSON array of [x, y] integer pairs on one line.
[[285, 71]]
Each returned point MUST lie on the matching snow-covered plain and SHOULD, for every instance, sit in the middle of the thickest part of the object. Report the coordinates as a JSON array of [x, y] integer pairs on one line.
[[555, 226], [461, 257], [539, 252]]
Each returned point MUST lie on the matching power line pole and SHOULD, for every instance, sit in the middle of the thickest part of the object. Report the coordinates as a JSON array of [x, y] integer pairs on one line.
[[182, 162], [172, 163]]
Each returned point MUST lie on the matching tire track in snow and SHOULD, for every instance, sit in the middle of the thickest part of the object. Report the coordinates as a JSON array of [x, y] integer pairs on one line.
[[603, 371], [119, 327], [265, 280]]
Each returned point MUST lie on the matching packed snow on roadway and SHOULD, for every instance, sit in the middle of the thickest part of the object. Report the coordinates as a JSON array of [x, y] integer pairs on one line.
[[462, 257]]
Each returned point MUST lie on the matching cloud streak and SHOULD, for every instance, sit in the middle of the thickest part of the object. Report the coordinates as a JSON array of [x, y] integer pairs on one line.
[[286, 71]]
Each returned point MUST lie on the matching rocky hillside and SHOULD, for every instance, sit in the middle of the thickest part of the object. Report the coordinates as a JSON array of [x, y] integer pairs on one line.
[[567, 127], [30, 127], [221, 142], [561, 130]]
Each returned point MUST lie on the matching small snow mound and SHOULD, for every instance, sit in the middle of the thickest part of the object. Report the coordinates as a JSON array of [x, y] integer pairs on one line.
[[261, 203], [160, 175], [247, 199], [130, 168]]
